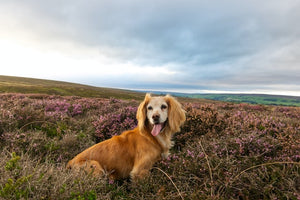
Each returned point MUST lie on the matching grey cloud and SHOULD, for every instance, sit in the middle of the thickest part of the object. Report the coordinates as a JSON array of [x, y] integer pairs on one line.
[[231, 43], [192, 29]]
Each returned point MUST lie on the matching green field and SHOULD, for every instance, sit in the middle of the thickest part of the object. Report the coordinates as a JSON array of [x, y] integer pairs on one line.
[[252, 99], [263, 99]]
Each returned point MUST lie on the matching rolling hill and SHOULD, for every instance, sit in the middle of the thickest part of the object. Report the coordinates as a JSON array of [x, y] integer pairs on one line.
[[10, 84], [277, 100]]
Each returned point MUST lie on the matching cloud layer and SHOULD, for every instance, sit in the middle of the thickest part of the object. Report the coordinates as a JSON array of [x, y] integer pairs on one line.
[[196, 45]]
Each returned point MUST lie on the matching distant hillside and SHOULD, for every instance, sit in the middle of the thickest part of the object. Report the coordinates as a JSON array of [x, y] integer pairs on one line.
[[264, 99], [9, 84], [251, 98]]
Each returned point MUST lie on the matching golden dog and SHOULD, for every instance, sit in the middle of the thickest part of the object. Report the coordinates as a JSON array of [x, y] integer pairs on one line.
[[134, 152]]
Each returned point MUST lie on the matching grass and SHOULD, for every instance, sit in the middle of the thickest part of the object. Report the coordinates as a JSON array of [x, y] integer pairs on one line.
[[10, 84], [224, 151]]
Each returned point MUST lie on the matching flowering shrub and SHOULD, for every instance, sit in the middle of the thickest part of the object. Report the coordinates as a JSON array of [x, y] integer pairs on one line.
[[200, 120], [115, 123], [224, 150], [62, 109]]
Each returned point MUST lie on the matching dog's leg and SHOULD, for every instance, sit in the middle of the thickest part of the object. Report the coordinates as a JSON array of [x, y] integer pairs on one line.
[[136, 175], [140, 171], [94, 167], [90, 166]]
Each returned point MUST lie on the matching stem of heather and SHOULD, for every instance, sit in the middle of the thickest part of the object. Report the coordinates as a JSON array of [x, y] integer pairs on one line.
[[210, 172]]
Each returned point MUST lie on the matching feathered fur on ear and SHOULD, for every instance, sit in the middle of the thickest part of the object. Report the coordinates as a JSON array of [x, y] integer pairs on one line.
[[141, 114], [176, 115]]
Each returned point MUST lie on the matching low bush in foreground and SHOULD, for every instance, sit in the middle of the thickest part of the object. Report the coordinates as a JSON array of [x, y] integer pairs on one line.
[[224, 151]]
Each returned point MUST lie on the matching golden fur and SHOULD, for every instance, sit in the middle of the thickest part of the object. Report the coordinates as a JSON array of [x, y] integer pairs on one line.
[[134, 152]]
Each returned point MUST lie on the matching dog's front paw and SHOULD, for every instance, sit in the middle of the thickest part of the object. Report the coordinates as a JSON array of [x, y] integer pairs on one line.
[[165, 155], [140, 175]]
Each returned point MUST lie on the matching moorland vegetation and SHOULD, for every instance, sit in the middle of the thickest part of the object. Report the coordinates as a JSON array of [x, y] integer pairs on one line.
[[224, 150]]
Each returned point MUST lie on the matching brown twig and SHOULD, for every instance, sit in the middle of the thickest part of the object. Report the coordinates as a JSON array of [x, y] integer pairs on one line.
[[261, 165], [170, 180], [36, 122], [210, 171]]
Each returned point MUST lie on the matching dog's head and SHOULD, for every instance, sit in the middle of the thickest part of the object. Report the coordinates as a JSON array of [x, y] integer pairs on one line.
[[159, 114]]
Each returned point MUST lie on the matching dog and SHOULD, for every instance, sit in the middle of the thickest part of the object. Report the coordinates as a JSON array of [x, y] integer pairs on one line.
[[133, 153]]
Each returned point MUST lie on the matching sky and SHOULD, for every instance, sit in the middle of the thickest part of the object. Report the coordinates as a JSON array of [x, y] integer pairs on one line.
[[194, 46]]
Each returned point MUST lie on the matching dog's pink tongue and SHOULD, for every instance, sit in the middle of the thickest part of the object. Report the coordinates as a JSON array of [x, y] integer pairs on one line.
[[156, 129]]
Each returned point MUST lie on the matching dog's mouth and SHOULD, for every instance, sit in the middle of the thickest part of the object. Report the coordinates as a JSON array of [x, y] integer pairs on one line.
[[158, 128]]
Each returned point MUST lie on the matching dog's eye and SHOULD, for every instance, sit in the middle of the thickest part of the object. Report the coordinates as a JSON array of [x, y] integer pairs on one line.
[[150, 108], [163, 107]]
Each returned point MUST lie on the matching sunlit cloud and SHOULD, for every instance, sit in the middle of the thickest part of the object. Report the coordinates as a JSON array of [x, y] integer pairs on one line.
[[28, 61]]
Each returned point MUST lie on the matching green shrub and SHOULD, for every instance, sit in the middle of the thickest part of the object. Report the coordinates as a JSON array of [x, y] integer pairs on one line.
[[13, 164]]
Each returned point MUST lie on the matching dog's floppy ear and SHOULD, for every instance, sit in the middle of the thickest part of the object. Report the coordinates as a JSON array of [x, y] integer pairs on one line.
[[141, 114], [176, 115]]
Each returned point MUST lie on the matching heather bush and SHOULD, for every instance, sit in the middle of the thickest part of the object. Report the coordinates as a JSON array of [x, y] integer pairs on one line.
[[200, 120], [224, 150], [115, 123]]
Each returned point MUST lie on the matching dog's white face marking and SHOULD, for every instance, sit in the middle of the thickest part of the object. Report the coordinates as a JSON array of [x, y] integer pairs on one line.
[[157, 114]]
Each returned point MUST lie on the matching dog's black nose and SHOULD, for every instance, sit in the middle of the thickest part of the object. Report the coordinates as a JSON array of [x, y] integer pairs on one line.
[[155, 118]]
